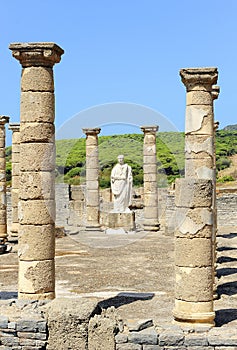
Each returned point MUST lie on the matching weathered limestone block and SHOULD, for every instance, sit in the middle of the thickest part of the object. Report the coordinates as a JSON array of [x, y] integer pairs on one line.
[[36, 277], [198, 144], [37, 156], [92, 214], [16, 168], [102, 330], [118, 220], [194, 284], [151, 212], [150, 177], [15, 157], [150, 169], [198, 97], [193, 193], [151, 159], [92, 185], [36, 212], [198, 252], [92, 198], [37, 185], [35, 241], [37, 107], [150, 187], [91, 163], [93, 174], [68, 321], [199, 120], [34, 132], [37, 79], [3, 230], [196, 222], [151, 199], [200, 168]]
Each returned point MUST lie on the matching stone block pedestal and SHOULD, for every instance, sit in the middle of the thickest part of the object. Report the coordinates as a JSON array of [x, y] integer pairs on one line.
[[118, 220]]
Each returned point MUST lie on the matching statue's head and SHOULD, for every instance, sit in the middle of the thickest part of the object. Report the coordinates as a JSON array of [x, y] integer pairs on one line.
[[121, 159]]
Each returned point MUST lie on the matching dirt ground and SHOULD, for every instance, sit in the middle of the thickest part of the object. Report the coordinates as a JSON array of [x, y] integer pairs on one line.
[[132, 271]]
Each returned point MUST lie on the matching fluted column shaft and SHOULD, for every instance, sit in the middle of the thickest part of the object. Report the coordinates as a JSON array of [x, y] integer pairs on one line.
[[15, 128], [92, 179], [194, 203], [151, 221], [3, 208], [37, 170]]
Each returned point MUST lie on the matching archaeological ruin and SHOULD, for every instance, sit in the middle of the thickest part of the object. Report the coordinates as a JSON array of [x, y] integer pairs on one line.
[[82, 273]]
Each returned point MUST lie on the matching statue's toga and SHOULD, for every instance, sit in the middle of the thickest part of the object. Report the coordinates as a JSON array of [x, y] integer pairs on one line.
[[121, 185]]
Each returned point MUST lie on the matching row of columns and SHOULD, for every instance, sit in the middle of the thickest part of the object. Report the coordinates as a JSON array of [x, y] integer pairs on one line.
[[151, 222], [195, 195]]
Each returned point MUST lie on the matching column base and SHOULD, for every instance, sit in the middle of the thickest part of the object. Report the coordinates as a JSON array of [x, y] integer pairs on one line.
[[32, 296], [91, 227], [151, 227], [191, 312]]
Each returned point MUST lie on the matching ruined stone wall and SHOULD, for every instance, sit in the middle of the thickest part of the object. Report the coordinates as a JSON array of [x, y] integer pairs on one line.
[[70, 206], [227, 209], [81, 324]]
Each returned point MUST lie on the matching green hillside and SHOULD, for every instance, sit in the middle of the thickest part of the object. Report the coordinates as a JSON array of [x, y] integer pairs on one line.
[[71, 156]]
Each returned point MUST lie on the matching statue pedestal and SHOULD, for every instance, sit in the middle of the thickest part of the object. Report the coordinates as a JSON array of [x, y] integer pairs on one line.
[[118, 220]]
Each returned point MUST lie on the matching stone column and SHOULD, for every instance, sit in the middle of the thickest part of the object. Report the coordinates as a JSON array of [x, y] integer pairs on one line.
[[3, 208], [194, 203], [151, 221], [92, 179], [37, 170], [193, 252], [15, 128]]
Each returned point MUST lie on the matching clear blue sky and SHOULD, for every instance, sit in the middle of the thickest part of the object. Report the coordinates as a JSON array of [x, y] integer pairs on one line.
[[123, 51]]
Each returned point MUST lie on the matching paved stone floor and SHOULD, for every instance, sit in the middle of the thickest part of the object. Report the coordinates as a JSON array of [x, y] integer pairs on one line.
[[132, 271]]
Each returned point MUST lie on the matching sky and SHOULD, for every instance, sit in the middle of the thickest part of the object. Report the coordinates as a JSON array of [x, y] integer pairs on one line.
[[122, 59]]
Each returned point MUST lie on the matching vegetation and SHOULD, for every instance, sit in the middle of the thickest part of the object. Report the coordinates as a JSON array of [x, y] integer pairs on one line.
[[71, 156]]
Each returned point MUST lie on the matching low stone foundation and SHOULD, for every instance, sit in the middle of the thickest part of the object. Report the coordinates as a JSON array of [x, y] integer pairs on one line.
[[82, 324]]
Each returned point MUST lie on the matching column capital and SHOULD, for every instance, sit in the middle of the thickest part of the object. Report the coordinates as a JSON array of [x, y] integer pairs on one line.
[[4, 119], [199, 76], [36, 54], [14, 127], [150, 128], [91, 131], [215, 92]]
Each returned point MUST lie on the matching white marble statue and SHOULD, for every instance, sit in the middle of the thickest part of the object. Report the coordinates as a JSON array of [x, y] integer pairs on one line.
[[121, 185]]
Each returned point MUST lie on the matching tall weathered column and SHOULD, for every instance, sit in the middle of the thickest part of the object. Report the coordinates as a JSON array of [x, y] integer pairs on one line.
[[151, 221], [92, 179], [15, 128], [3, 207], [194, 203], [37, 170]]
